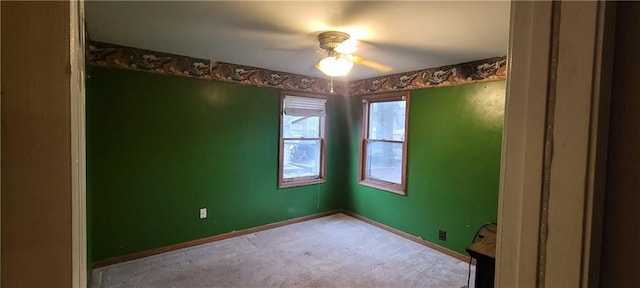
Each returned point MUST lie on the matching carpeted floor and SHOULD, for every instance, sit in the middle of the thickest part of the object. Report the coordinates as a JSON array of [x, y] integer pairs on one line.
[[333, 251]]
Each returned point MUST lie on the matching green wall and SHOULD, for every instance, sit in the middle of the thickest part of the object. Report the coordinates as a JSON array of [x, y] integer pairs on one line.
[[161, 147], [453, 170]]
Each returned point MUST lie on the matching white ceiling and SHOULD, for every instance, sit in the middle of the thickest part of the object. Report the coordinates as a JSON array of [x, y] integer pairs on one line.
[[281, 35]]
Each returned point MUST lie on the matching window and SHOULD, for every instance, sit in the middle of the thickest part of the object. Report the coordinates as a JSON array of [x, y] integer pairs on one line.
[[302, 144], [383, 151]]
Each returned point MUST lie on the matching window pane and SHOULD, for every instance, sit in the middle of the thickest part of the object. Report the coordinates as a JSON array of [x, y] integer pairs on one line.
[[386, 120], [301, 158], [300, 126], [384, 161]]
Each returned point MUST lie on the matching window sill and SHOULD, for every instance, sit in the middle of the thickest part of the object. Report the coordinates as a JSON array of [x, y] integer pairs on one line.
[[297, 183], [397, 189]]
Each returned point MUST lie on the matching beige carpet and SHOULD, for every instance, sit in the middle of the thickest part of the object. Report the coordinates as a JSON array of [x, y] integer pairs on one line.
[[333, 251]]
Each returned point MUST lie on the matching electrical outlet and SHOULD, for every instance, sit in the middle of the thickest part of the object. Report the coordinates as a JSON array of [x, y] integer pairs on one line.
[[203, 213], [442, 235]]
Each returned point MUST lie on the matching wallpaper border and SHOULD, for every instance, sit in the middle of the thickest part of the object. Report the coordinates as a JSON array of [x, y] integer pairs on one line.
[[486, 70], [115, 56]]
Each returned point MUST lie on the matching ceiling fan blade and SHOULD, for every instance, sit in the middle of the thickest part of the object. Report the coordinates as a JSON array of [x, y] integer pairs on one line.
[[349, 46], [349, 12], [371, 64], [294, 49], [265, 26]]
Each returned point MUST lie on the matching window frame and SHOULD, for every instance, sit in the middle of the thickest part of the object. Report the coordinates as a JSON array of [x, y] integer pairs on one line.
[[401, 188], [307, 180]]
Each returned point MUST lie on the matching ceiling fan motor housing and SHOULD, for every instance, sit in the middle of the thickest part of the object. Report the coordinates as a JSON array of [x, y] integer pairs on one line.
[[331, 39]]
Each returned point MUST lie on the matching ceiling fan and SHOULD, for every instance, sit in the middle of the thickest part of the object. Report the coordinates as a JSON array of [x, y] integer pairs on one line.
[[339, 48]]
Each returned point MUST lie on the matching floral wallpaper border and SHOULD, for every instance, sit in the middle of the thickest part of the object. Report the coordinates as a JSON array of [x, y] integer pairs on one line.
[[109, 55], [492, 69]]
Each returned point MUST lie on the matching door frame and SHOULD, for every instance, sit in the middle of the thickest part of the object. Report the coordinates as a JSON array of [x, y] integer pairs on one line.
[[554, 144], [78, 144]]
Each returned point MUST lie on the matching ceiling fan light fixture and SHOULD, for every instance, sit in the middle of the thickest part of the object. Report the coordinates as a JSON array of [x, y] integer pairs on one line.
[[335, 66]]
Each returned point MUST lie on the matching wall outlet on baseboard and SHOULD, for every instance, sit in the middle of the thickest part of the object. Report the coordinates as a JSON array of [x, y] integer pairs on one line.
[[442, 235], [203, 213]]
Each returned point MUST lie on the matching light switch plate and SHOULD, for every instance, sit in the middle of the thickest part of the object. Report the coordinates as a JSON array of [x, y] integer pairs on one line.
[[203, 213]]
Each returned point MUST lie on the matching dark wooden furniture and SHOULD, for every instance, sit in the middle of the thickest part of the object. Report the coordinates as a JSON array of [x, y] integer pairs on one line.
[[484, 251]]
